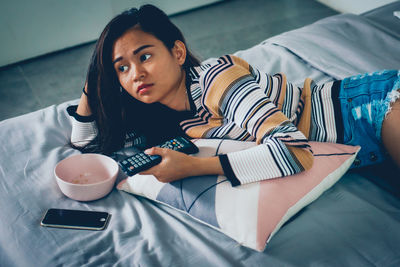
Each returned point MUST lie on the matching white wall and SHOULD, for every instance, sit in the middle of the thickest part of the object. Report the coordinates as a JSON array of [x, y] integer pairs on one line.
[[354, 6], [29, 28]]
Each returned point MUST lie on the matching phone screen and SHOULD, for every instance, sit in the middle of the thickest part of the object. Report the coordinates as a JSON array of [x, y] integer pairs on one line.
[[76, 219]]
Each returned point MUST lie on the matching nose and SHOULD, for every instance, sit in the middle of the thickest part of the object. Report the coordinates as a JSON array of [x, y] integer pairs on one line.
[[139, 72]]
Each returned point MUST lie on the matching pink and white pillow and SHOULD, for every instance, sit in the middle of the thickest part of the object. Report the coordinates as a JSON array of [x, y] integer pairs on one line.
[[251, 214]]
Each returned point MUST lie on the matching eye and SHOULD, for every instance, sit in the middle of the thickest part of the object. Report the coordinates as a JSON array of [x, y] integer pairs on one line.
[[144, 57], [122, 68]]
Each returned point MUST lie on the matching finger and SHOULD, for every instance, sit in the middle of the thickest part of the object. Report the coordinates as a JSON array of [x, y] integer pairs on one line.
[[148, 171], [155, 151], [151, 151]]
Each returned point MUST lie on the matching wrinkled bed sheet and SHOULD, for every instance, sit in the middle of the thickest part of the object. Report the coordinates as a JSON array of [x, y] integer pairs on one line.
[[355, 223], [342, 46]]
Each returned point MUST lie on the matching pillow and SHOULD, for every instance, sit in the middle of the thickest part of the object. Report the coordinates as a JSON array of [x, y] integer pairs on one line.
[[251, 214]]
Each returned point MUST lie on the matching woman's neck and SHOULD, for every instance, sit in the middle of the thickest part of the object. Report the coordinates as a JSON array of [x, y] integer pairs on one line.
[[179, 99]]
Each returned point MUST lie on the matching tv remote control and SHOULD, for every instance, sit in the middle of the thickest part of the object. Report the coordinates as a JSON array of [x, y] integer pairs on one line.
[[181, 144], [141, 161]]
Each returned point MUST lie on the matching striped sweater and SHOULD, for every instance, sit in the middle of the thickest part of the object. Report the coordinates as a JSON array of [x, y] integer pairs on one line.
[[236, 101]]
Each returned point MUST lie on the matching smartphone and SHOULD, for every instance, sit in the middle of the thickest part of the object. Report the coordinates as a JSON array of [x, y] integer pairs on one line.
[[76, 219]]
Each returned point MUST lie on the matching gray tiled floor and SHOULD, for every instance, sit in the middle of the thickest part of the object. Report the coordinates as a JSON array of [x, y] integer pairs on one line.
[[210, 31]]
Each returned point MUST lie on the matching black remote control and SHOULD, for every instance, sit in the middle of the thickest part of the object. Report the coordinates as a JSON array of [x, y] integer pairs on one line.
[[181, 144], [141, 161], [138, 162]]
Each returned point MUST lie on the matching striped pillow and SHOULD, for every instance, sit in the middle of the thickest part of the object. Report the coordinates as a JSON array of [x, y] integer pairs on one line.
[[260, 208]]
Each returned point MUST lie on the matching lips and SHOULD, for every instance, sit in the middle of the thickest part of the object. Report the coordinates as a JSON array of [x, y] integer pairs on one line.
[[143, 87]]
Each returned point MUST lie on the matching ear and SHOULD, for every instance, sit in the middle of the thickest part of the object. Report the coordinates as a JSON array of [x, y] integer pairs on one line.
[[179, 51]]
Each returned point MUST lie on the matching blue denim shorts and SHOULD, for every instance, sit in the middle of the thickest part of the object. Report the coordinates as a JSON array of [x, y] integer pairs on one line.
[[365, 100]]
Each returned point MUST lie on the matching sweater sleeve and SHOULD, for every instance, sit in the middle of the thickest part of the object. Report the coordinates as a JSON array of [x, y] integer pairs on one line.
[[232, 92], [83, 128]]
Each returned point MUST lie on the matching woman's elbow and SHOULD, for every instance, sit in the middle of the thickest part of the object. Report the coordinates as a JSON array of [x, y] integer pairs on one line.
[[308, 160], [304, 156]]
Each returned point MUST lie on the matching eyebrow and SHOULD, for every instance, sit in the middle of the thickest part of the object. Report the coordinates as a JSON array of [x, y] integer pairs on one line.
[[135, 52]]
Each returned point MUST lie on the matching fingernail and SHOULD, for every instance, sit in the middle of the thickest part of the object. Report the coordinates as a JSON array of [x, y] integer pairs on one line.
[[147, 151]]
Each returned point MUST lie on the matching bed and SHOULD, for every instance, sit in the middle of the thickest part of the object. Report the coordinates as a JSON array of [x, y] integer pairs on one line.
[[354, 223]]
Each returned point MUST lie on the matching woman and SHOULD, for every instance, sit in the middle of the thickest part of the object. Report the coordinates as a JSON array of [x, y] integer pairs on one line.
[[144, 86]]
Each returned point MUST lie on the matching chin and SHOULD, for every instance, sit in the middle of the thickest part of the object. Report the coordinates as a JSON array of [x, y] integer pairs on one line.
[[146, 100]]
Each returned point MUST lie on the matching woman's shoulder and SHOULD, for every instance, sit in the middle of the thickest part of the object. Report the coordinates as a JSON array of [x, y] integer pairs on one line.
[[196, 71], [214, 63], [227, 60], [233, 60], [213, 66]]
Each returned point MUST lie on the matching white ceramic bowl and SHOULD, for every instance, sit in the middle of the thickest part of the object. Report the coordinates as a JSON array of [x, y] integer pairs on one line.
[[86, 177]]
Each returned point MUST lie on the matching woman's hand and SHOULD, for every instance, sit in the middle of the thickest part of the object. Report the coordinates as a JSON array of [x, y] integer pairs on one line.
[[177, 165]]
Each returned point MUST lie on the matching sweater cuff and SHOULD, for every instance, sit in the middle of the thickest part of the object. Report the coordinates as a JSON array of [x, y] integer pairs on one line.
[[228, 171], [72, 112]]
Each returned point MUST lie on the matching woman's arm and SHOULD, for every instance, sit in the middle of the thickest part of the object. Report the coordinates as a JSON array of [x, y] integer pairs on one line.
[[83, 107], [83, 126], [231, 90]]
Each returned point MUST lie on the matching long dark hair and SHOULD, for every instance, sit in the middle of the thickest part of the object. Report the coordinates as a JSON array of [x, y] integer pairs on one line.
[[116, 112]]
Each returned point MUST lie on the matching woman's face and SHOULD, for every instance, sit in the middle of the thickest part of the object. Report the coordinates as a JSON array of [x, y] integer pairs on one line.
[[147, 69]]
